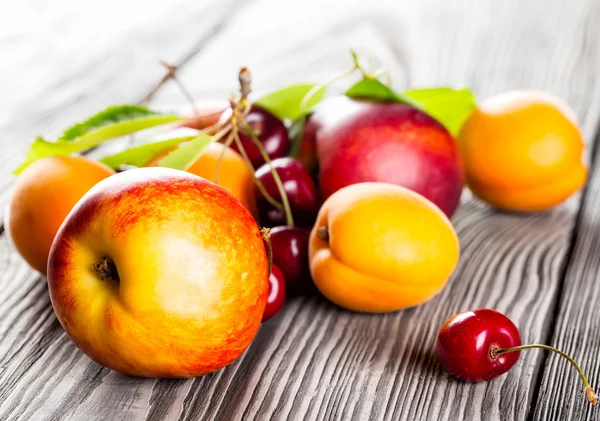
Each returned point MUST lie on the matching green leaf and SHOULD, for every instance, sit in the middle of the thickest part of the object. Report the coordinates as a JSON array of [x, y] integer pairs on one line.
[[181, 158], [139, 155], [111, 115], [449, 106], [292, 102], [296, 133], [41, 148], [374, 89]]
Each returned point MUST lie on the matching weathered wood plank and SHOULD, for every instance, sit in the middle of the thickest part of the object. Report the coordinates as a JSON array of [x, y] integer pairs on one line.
[[315, 361], [577, 321]]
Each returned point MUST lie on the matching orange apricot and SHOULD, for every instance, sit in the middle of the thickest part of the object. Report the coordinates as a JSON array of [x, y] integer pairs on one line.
[[44, 195], [378, 247], [235, 175], [522, 151]]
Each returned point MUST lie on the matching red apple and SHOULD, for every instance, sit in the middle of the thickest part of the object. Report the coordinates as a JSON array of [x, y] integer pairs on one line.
[[359, 141], [157, 272]]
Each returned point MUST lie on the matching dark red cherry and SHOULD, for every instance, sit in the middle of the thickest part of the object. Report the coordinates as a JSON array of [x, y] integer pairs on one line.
[[290, 254], [465, 343], [299, 188], [276, 296], [271, 132], [483, 344]]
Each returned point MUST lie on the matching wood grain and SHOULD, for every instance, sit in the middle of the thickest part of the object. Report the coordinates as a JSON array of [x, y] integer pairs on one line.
[[314, 360], [577, 322]]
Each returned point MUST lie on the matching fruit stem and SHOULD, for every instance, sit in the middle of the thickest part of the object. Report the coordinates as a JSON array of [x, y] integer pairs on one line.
[[312, 91], [226, 144], [286, 203], [258, 183], [106, 269], [591, 396], [323, 234], [245, 84], [265, 233], [170, 72]]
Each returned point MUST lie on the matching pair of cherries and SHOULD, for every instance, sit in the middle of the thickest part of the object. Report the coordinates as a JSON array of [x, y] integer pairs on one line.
[[483, 344], [290, 274]]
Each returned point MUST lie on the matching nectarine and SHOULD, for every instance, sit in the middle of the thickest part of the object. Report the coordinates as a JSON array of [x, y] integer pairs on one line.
[[158, 272], [44, 194], [378, 247]]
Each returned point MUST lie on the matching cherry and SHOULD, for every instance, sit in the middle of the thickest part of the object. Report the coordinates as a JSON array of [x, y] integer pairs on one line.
[[482, 344], [271, 132], [299, 187], [276, 296], [290, 254]]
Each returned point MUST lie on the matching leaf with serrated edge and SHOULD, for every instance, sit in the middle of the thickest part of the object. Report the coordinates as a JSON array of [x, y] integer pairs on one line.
[[183, 157], [42, 148], [376, 90], [111, 115], [140, 155], [451, 107], [286, 103]]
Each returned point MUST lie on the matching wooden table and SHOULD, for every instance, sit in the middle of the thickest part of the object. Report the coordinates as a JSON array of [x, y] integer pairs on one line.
[[65, 60]]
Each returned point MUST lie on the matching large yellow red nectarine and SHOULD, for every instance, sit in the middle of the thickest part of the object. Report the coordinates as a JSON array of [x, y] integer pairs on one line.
[[157, 272]]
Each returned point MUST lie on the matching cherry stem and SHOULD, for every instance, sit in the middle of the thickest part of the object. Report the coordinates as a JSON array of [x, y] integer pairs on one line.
[[284, 199], [230, 138], [591, 396], [265, 233], [167, 76], [245, 84], [239, 111], [370, 73], [313, 91], [259, 183]]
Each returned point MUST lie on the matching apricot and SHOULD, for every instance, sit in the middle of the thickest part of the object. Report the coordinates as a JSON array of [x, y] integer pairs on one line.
[[235, 175], [522, 151], [44, 195], [379, 247]]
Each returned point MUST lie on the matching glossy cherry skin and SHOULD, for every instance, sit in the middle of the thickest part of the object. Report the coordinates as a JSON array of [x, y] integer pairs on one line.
[[465, 342], [271, 132], [290, 254], [276, 296], [299, 188]]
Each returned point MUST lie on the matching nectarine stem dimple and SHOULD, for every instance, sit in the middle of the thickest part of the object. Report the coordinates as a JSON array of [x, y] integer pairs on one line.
[[323, 234], [496, 351], [106, 269]]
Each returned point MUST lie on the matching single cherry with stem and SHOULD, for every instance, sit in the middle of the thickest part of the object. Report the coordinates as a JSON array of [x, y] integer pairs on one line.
[[270, 131], [299, 187], [482, 344]]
